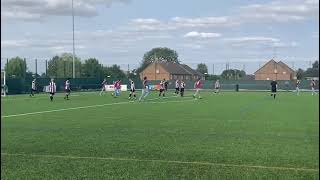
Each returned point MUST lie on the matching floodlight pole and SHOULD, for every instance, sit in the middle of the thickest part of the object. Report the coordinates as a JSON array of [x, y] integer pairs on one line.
[[73, 54]]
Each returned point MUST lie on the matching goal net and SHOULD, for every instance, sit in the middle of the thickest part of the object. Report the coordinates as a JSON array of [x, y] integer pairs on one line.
[[4, 88]]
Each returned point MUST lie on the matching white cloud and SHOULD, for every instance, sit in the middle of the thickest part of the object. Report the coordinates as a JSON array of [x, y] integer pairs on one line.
[[149, 24], [203, 22], [253, 39], [284, 45], [195, 34], [280, 11], [35, 10], [192, 46]]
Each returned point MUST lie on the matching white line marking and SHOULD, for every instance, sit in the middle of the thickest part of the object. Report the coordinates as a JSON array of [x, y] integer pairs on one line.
[[166, 161], [85, 107], [35, 98]]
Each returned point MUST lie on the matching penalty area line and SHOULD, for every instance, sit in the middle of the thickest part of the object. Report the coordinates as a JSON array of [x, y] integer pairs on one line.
[[165, 161], [91, 106]]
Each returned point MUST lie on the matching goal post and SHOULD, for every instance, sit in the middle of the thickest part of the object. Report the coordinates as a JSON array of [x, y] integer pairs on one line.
[[4, 88]]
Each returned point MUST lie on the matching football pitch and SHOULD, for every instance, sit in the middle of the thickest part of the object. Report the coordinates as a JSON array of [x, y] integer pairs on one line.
[[231, 135]]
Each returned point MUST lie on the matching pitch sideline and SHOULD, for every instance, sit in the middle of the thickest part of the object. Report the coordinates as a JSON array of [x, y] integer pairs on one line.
[[166, 161], [91, 106]]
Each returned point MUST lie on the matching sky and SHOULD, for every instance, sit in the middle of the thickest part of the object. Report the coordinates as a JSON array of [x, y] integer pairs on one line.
[[243, 32]]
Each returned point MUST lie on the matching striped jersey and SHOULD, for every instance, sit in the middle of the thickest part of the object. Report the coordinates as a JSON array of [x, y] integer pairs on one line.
[[132, 85], [182, 85], [67, 85], [313, 84], [162, 85], [217, 84], [177, 84], [33, 85], [52, 87]]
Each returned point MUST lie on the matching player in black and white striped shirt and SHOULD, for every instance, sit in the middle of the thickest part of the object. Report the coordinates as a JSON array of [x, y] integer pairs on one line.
[[104, 84], [132, 89], [33, 87], [67, 89], [182, 86], [52, 89], [162, 88], [177, 87]]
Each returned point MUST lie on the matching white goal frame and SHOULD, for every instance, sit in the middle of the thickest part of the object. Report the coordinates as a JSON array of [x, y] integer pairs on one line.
[[3, 86]]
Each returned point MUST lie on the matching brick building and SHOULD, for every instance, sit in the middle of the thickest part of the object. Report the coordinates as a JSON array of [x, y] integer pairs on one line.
[[170, 71], [273, 70]]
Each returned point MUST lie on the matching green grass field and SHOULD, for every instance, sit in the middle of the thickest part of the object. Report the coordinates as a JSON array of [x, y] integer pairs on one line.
[[245, 135]]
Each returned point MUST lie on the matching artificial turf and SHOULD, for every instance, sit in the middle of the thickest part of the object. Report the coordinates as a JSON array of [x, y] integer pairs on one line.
[[243, 135]]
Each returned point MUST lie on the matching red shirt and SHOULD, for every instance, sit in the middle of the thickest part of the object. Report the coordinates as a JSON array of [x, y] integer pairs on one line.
[[198, 84], [117, 85]]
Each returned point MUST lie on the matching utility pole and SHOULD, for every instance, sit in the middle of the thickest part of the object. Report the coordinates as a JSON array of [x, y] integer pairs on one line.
[[73, 54], [36, 61], [155, 67], [7, 64], [212, 69], [46, 68]]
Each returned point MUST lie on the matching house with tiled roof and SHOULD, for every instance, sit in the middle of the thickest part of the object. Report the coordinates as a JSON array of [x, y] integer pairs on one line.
[[170, 71], [273, 70]]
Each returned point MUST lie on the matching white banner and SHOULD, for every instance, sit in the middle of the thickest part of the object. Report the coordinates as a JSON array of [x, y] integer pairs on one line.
[[111, 88]]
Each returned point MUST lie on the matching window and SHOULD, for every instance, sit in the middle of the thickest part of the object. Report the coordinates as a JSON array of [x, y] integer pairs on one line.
[[157, 71]]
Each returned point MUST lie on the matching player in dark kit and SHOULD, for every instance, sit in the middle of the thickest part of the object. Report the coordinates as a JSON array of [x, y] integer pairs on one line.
[[67, 89], [274, 87], [165, 84]]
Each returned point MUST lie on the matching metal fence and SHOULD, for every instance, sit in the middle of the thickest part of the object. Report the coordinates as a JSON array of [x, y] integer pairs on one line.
[[40, 66], [20, 86]]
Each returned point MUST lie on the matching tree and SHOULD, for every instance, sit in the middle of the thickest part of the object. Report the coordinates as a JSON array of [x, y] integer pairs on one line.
[[62, 66], [91, 68], [66, 65], [315, 65], [234, 74], [312, 72], [202, 68], [16, 67], [53, 66], [300, 73], [158, 54], [213, 77], [114, 71]]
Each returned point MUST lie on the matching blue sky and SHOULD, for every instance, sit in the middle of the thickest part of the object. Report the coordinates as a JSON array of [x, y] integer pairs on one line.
[[121, 31]]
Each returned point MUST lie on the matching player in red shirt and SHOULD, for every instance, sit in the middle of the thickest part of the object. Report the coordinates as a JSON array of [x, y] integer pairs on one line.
[[197, 86], [117, 87]]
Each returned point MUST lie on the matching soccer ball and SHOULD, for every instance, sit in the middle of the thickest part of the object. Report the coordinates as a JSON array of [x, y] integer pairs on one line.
[[112, 94]]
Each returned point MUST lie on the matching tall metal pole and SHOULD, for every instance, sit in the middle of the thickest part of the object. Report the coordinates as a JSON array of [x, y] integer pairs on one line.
[[212, 69], [46, 68], [36, 61], [73, 65]]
